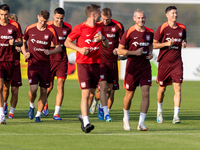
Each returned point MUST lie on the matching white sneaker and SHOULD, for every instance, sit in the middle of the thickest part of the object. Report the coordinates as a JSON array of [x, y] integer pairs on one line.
[[126, 124], [176, 120], [142, 128], [93, 106], [159, 117], [2, 119]]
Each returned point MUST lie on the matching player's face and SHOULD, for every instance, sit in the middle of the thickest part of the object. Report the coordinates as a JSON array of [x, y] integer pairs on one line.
[[106, 19], [97, 15], [172, 15], [139, 19], [41, 21], [58, 19], [3, 16]]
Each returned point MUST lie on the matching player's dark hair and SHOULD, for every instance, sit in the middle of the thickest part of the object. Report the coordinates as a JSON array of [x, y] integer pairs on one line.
[[170, 8], [106, 11], [44, 14], [91, 8], [5, 7], [59, 10]]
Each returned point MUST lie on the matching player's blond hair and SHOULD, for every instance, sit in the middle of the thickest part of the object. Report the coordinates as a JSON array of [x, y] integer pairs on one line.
[[13, 17], [138, 11], [106, 11]]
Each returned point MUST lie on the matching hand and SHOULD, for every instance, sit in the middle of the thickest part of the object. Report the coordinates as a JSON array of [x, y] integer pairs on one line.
[[11, 41], [139, 51], [170, 42], [47, 52], [84, 50], [99, 37], [18, 49], [184, 44], [115, 51], [26, 55], [150, 56]]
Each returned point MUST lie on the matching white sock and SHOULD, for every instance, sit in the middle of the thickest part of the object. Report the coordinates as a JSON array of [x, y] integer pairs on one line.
[[108, 110], [1, 111], [32, 105], [57, 110], [160, 107], [101, 106], [142, 118], [38, 114], [105, 110], [126, 114], [12, 110], [85, 120], [176, 111], [5, 104]]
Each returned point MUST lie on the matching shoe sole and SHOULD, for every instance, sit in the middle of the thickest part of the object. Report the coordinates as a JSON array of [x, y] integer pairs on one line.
[[2, 122]]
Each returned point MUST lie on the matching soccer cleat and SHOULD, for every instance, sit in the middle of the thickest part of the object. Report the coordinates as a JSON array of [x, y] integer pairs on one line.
[[31, 112], [100, 113], [2, 119], [176, 120], [107, 118], [88, 127], [93, 106], [6, 109], [159, 117], [45, 110], [10, 116], [126, 124], [142, 128], [37, 119], [56, 117]]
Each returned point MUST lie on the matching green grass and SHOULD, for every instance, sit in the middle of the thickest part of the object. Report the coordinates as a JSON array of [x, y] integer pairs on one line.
[[23, 133]]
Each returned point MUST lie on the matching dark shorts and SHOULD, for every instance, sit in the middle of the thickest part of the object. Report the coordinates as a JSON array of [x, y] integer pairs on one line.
[[39, 74], [7, 70], [170, 72], [109, 73], [137, 77], [59, 69], [88, 75], [17, 79]]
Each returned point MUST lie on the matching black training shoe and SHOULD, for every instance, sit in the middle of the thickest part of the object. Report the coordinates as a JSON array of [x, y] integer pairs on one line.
[[88, 127]]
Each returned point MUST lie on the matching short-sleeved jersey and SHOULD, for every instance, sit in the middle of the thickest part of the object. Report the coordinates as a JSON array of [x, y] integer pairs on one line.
[[11, 30], [62, 33], [38, 42], [133, 40], [114, 32], [163, 34], [85, 38]]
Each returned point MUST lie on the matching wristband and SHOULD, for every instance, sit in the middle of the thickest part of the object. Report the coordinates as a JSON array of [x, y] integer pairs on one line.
[[104, 38]]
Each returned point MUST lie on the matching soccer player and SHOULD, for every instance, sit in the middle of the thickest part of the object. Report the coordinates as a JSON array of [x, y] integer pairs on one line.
[[136, 43], [169, 38], [108, 68], [58, 62], [89, 36], [40, 36], [10, 36], [16, 80]]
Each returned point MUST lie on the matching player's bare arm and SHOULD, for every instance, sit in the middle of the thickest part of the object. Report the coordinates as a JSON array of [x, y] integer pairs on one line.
[[150, 55], [157, 45], [125, 52], [69, 44], [56, 50], [184, 43], [23, 48], [99, 37], [18, 43]]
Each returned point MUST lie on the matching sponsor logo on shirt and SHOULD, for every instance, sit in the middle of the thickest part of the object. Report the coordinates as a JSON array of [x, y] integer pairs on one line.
[[110, 35], [6, 37], [93, 48], [38, 49], [61, 38], [141, 43], [135, 37], [3, 44], [175, 39], [83, 84], [88, 41], [10, 31], [39, 42]]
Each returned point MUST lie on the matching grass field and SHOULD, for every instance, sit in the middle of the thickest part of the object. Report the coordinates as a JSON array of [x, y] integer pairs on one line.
[[22, 133]]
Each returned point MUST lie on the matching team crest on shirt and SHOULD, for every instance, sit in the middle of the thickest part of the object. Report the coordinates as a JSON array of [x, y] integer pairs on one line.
[[102, 77], [113, 29], [148, 37], [83, 84], [10, 31], [64, 32], [46, 36], [180, 34]]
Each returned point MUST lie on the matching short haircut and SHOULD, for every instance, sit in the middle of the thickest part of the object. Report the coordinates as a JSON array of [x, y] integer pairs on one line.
[[59, 10], [138, 11], [13, 17], [5, 7], [170, 8], [91, 8], [44, 14], [106, 11]]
